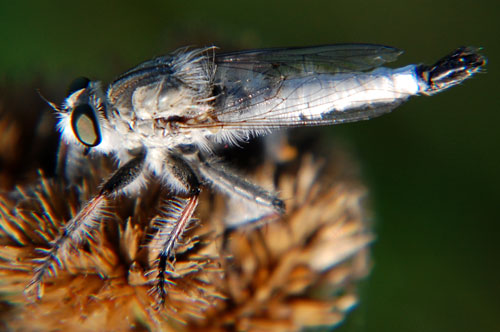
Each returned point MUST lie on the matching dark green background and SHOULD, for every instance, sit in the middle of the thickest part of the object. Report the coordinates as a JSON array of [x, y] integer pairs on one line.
[[432, 166]]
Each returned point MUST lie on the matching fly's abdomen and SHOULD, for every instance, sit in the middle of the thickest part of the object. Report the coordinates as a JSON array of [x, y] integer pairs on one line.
[[309, 98], [329, 98], [450, 70]]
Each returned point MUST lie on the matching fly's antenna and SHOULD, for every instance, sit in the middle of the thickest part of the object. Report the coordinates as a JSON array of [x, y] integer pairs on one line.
[[51, 104]]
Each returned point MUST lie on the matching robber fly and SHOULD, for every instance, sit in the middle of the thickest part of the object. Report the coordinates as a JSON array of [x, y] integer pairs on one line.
[[161, 120]]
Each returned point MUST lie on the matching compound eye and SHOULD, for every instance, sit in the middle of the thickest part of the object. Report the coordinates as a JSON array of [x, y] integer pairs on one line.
[[85, 125], [77, 84]]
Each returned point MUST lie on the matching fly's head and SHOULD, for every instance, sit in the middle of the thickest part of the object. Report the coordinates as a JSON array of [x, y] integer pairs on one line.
[[83, 116]]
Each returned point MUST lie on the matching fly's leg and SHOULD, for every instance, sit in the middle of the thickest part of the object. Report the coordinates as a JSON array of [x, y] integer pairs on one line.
[[81, 226], [170, 230], [254, 204], [180, 210]]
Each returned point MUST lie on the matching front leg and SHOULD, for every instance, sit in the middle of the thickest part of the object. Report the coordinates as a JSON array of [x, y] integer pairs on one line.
[[80, 226]]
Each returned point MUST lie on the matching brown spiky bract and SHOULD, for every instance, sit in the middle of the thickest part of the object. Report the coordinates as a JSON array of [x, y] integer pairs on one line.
[[297, 272]]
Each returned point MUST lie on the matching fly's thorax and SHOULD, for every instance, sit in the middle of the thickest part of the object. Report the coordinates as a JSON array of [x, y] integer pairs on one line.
[[161, 101], [158, 102], [165, 87], [160, 132], [163, 115]]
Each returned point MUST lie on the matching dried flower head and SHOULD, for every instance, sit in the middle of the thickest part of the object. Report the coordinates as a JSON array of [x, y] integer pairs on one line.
[[293, 273]]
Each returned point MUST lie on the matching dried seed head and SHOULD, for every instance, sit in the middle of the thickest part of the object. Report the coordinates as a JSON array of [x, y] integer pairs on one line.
[[296, 272]]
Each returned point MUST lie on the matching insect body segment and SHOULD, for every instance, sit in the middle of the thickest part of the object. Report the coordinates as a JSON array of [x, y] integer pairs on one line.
[[450, 70], [161, 120]]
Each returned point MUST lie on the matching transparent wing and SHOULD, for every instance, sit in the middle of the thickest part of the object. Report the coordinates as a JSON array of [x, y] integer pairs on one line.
[[329, 59], [272, 88], [267, 88]]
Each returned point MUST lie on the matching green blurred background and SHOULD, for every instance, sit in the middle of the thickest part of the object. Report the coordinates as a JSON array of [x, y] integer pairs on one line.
[[432, 167]]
